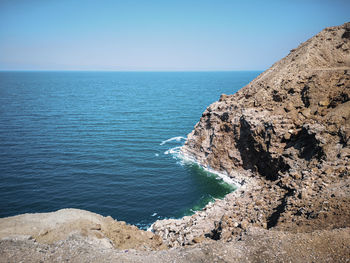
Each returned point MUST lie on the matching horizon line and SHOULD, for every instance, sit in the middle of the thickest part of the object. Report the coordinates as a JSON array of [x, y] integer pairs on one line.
[[99, 70]]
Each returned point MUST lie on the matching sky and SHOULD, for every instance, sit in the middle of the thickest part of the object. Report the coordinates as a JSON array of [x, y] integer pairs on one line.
[[151, 35]]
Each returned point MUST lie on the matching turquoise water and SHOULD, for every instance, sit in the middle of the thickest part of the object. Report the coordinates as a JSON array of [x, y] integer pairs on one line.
[[97, 141]]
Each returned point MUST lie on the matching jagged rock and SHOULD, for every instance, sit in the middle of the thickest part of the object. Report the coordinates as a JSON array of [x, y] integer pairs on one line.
[[283, 129]]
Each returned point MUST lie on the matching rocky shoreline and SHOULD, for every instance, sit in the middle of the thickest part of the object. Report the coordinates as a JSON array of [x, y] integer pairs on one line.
[[288, 132], [284, 137]]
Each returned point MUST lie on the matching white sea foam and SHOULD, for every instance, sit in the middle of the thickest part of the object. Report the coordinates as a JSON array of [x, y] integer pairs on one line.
[[224, 176], [178, 139], [187, 159], [154, 214], [156, 154], [173, 151]]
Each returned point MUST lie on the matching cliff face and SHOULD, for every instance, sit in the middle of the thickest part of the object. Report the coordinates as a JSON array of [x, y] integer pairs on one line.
[[291, 125], [293, 117], [286, 137]]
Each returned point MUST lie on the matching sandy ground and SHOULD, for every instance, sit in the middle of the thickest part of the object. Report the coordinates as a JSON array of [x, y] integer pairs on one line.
[[257, 245]]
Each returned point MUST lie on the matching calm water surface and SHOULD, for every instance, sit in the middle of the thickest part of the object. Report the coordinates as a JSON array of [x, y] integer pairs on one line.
[[96, 141]]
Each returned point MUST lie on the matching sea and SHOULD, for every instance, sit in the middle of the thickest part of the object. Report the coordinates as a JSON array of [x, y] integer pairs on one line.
[[107, 142]]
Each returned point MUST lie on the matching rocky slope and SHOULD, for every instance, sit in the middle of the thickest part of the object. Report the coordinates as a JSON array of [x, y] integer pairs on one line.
[[286, 135], [97, 230], [258, 245], [284, 138]]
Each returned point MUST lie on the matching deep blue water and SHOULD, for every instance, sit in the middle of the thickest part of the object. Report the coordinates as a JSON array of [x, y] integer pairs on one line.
[[93, 140]]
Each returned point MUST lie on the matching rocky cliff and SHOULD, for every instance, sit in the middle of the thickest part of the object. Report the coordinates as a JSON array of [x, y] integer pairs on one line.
[[293, 116], [286, 137]]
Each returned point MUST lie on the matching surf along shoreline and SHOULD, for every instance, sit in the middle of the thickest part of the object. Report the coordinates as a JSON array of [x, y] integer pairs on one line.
[[183, 159]]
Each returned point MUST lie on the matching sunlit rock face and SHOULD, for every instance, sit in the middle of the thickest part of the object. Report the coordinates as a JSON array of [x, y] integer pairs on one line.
[[295, 114], [287, 135]]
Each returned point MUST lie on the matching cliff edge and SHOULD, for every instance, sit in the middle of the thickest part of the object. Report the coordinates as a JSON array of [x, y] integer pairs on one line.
[[285, 138], [296, 112]]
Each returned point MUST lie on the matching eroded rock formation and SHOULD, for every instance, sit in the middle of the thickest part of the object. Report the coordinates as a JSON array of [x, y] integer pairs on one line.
[[287, 135]]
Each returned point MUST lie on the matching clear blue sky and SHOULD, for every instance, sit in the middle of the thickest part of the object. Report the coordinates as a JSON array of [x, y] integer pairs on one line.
[[158, 35]]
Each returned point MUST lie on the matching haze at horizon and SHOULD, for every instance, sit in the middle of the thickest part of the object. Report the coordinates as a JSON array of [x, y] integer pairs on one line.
[[158, 35]]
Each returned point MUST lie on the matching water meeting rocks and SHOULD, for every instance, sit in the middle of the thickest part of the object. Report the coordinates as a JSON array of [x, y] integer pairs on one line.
[[287, 132]]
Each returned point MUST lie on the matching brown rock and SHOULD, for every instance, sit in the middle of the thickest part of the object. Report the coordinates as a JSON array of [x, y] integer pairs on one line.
[[288, 139], [199, 239], [324, 103], [244, 224]]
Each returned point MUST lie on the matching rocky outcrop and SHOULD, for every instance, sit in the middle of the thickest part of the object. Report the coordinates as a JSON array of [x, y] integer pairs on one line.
[[97, 230], [288, 133], [296, 112]]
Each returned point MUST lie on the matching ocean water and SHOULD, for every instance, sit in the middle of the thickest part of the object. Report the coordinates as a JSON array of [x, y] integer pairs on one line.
[[104, 142]]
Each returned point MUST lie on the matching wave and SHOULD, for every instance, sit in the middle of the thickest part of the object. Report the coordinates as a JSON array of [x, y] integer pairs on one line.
[[173, 151], [178, 139], [185, 159], [223, 175]]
